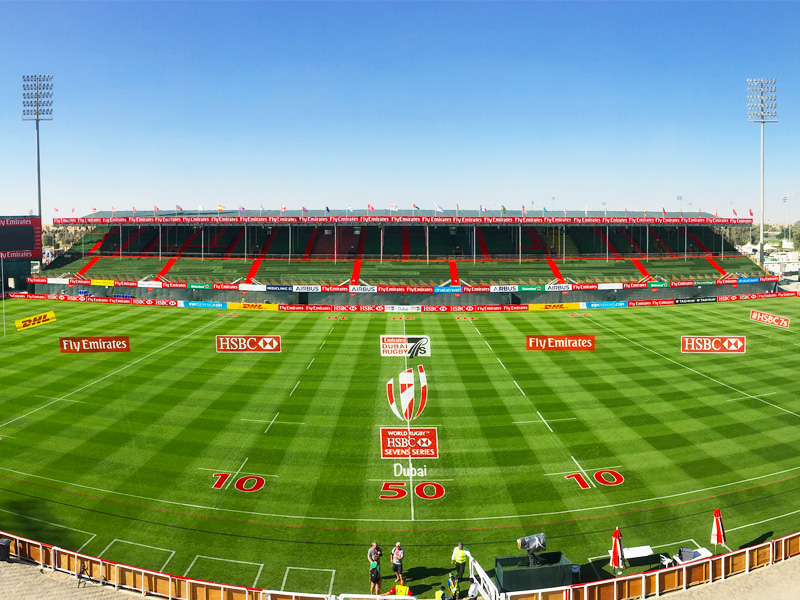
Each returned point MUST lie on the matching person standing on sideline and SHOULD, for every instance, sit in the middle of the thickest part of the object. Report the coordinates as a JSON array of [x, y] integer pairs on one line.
[[452, 587], [460, 558], [375, 578], [397, 555], [399, 589], [439, 594], [473, 589], [374, 553]]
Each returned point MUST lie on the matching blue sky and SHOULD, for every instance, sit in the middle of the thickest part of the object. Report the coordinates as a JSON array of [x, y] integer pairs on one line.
[[306, 104]]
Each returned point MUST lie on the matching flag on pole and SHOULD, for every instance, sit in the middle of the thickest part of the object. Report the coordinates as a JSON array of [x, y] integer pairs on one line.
[[751, 212], [565, 211], [626, 213], [304, 209], [645, 212], [155, 208], [283, 208], [349, 208], [94, 210], [178, 207], [392, 207], [220, 208], [437, 208], [370, 208], [241, 208], [134, 210], [586, 211], [199, 207], [113, 210], [681, 213], [544, 209], [734, 212], [664, 211], [327, 210], [457, 206], [717, 529], [414, 206], [55, 210], [502, 209], [699, 212], [716, 212], [617, 555], [524, 210], [481, 208]]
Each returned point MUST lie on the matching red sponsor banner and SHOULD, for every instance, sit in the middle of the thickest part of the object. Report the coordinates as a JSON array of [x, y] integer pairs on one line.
[[37, 279], [584, 286], [335, 288], [248, 343], [475, 289], [225, 286], [559, 342], [413, 442], [405, 289], [79, 345], [636, 285], [173, 285], [665, 302], [681, 283], [715, 344], [118, 283], [762, 317], [727, 282], [766, 278], [72, 282]]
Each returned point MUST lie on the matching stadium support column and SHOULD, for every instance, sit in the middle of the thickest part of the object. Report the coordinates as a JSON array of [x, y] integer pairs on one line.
[[334, 243], [3, 291], [519, 237], [474, 239], [290, 243], [202, 244], [761, 108], [427, 245], [647, 241], [382, 228], [685, 243], [245, 242], [120, 241], [608, 242], [159, 242]]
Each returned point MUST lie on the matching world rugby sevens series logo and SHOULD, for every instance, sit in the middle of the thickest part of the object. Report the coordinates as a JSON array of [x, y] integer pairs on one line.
[[405, 404]]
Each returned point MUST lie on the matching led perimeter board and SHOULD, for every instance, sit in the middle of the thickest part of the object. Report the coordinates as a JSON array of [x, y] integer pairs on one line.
[[21, 237]]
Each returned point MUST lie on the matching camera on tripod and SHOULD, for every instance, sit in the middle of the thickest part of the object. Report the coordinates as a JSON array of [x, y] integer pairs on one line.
[[532, 544]]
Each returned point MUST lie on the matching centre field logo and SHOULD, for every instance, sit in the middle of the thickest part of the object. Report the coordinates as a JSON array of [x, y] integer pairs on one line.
[[402, 397], [405, 345]]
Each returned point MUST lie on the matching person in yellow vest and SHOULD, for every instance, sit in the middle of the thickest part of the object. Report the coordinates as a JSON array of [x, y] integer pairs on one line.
[[399, 589], [440, 594], [459, 557], [452, 587]]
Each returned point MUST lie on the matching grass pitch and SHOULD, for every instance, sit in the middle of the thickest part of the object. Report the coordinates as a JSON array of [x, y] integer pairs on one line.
[[118, 454]]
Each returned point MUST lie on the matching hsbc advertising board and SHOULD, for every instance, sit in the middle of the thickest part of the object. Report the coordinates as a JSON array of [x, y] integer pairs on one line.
[[762, 317], [409, 442], [714, 344], [248, 343], [405, 345]]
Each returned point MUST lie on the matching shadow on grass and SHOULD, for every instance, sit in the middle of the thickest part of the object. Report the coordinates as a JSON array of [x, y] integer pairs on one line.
[[759, 540]]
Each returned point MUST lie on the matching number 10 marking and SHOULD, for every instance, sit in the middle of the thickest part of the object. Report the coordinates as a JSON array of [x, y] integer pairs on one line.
[[603, 477]]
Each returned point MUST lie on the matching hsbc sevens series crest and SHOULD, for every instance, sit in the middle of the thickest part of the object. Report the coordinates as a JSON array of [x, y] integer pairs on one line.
[[407, 405]]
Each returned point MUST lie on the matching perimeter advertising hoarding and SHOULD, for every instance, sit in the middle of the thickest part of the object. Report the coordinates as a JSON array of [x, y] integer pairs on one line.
[[20, 237]]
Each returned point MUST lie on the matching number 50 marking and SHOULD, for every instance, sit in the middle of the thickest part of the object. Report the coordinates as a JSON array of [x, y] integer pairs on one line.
[[428, 490], [603, 477]]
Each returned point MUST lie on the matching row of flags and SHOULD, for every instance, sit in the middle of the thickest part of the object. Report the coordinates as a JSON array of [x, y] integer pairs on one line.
[[393, 207]]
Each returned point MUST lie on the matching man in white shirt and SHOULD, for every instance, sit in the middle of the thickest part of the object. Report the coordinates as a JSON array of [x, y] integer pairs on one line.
[[397, 562], [473, 589]]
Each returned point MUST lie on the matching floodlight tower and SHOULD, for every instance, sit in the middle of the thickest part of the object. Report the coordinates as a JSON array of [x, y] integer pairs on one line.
[[761, 108], [37, 105]]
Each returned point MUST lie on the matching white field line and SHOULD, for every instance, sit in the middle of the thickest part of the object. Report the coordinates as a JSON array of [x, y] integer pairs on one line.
[[444, 520], [331, 571], [54, 398], [748, 397], [404, 477], [235, 475], [789, 514], [309, 364], [545, 422], [278, 422], [225, 471], [585, 474], [598, 469], [519, 388], [164, 566], [89, 533], [331, 331], [294, 388], [271, 422], [501, 363], [479, 332], [717, 381], [539, 422], [323, 343], [487, 343], [104, 377], [241, 562], [408, 424]]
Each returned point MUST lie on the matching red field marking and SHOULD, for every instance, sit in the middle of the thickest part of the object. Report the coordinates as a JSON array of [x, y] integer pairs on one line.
[[361, 241], [163, 272], [454, 273], [310, 244], [714, 264], [401, 529], [636, 247], [699, 243], [396, 487], [165, 269], [555, 270], [356, 274], [640, 267], [481, 242], [88, 266], [396, 490]]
